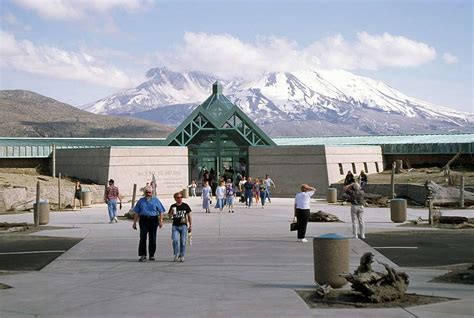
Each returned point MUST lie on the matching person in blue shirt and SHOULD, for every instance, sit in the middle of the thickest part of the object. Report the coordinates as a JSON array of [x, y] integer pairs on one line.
[[149, 213]]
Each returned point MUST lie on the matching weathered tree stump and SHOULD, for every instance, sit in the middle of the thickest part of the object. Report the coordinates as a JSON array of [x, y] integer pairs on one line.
[[374, 286]]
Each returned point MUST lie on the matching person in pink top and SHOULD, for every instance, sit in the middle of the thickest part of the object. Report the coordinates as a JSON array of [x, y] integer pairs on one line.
[[111, 196]]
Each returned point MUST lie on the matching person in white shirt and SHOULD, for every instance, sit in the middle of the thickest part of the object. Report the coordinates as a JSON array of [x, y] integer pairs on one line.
[[302, 210], [220, 195]]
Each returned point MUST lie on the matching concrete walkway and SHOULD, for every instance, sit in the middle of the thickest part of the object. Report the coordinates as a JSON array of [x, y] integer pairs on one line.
[[245, 264]]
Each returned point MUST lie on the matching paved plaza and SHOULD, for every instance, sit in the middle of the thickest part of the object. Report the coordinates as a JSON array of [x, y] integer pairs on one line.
[[245, 264]]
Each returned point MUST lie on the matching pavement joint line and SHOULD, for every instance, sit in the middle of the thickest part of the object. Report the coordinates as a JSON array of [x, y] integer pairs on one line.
[[34, 252], [396, 247]]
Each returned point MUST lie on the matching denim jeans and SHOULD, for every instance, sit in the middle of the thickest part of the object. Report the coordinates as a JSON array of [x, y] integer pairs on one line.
[[267, 193], [148, 228], [179, 234], [248, 198], [112, 207], [263, 197]]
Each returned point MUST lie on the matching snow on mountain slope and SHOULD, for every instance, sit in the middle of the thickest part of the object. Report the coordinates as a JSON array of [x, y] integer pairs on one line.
[[332, 96]]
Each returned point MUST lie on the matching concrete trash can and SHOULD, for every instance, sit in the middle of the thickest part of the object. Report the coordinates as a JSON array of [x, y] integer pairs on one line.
[[331, 258], [43, 212], [398, 210], [185, 193], [331, 195], [86, 197]]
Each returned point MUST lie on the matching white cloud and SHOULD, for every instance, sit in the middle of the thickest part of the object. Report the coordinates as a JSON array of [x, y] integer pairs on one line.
[[78, 9], [50, 61], [449, 58], [227, 56]]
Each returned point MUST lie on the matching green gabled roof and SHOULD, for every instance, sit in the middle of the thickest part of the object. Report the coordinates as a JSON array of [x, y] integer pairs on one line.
[[217, 112]]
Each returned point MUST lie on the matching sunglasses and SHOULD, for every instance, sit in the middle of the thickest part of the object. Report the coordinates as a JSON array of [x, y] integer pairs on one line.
[[148, 192], [179, 197]]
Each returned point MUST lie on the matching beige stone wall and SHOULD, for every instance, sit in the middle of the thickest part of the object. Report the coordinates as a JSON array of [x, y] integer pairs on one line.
[[138, 164], [128, 165], [289, 167], [350, 156]]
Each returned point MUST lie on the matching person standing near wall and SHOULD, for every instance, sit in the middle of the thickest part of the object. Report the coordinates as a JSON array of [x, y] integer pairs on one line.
[[77, 195], [302, 210], [363, 180], [182, 224], [356, 196], [149, 213], [193, 187], [111, 196]]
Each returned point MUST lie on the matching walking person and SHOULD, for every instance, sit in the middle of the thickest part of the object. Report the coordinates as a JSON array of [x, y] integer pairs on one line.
[[356, 196], [111, 196], [77, 195], [302, 210], [248, 194], [268, 182], [263, 194], [182, 224], [230, 195], [220, 195], [149, 213], [256, 190], [206, 197]]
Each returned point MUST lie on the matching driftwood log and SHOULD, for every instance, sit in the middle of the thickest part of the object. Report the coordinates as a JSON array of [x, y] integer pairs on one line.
[[321, 216], [377, 287], [448, 196]]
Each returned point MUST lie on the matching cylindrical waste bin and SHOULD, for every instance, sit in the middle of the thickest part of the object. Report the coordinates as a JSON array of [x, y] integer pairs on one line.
[[43, 212], [331, 196], [185, 193], [86, 197], [398, 210], [331, 258]]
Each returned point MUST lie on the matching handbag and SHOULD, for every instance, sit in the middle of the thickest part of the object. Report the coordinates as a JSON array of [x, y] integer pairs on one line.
[[293, 226]]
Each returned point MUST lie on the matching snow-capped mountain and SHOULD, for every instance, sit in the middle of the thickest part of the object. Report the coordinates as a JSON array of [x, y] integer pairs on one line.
[[303, 98]]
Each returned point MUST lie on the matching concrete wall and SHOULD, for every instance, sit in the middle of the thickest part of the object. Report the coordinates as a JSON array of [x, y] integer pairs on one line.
[[128, 165], [350, 157], [289, 167], [138, 164], [92, 164]]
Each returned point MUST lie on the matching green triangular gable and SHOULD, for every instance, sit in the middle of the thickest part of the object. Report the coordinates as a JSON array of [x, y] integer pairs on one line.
[[218, 113]]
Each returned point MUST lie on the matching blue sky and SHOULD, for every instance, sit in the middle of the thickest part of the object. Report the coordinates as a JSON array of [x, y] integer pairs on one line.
[[81, 51]]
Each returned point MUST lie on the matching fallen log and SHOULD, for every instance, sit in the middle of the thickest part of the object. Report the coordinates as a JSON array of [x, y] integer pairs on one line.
[[452, 219], [448, 196]]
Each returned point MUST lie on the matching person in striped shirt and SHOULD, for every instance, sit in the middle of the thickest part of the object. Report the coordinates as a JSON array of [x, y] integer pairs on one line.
[[111, 196]]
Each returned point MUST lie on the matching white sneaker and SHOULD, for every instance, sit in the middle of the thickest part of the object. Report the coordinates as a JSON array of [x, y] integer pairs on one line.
[[302, 240], [181, 259], [355, 236], [362, 236], [111, 221], [176, 257], [115, 219], [263, 207]]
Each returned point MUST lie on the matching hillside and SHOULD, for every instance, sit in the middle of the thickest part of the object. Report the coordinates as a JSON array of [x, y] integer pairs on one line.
[[28, 114]]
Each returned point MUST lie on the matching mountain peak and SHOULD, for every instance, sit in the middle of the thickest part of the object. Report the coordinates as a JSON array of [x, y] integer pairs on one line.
[[333, 96]]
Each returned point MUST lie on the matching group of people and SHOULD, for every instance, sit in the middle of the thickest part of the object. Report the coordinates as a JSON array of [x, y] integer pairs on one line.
[[149, 210], [226, 193]]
